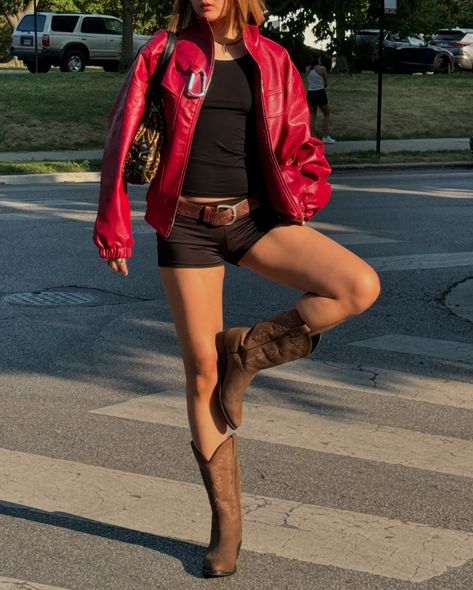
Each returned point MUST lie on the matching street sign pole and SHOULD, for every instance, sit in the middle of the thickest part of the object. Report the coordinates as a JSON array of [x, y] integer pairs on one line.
[[385, 7], [380, 77], [35, 18]]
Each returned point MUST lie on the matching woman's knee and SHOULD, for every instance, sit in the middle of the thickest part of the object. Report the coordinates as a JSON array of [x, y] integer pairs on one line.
[[364, 291], [201, 372]]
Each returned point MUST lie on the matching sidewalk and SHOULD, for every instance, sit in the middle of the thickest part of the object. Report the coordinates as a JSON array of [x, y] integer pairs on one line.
[[341, 147], [399, 145]]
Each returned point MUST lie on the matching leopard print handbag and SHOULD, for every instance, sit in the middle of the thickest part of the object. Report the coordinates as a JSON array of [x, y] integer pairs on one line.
[[143, 157]]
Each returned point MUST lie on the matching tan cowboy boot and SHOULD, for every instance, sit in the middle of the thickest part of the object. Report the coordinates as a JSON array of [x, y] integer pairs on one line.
[[221, 475], [242, 352]]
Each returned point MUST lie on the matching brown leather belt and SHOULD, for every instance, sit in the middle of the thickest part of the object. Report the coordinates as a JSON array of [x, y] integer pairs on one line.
[[221, 214]]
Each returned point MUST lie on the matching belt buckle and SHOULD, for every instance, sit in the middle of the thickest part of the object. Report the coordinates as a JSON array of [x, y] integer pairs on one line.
[[232, 208]]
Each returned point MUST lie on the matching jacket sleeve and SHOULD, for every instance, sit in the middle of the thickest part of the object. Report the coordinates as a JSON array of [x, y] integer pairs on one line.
[[112, 232], [304, 165]]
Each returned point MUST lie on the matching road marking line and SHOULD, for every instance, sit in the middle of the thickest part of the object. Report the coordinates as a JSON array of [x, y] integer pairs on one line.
[[377, 381], [432, 347], [15, 584], [349, 438], [421, 261], [352, 239], [431, 192], [305, 532]]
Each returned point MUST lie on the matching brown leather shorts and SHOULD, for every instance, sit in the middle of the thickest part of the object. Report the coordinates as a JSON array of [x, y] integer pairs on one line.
[[194, 243]]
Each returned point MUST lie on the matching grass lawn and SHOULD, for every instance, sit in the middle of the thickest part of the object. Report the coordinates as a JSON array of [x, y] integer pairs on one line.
[[69, 111], [49, 167], [414, 106], [55, 110]]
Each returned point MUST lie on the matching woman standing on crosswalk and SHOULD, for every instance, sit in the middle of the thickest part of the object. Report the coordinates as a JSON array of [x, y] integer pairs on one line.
[[240, 174]]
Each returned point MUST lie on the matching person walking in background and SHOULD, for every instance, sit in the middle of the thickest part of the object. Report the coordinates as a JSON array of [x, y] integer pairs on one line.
[[239, 176], [317, 98]]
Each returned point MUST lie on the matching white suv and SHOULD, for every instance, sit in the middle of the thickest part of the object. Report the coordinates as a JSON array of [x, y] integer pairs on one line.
[[71, 41]]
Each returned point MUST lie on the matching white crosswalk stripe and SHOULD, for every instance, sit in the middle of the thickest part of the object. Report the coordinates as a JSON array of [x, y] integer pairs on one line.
[[293, 428], [352, 239], [433, 347], [377, 381], [341, 538], [421, 261], [15, 584]]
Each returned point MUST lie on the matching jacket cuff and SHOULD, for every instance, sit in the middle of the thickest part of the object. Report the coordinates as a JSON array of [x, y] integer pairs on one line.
[[115, 252]]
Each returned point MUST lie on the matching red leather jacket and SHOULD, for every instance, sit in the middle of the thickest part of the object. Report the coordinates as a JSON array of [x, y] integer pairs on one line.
[[293, 162]]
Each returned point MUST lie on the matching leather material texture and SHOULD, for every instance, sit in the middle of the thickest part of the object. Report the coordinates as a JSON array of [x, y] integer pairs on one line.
[[221, 477], [217, 214], [242, 352], [293, 163]]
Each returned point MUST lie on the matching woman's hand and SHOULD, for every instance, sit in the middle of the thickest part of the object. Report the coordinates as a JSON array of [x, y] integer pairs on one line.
[[118, 265]]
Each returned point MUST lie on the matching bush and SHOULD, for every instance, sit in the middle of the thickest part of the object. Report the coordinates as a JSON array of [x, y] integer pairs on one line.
[[302, 55]]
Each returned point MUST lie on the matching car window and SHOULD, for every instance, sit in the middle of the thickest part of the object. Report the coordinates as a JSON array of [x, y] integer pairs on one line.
[[365, 36], [92, 24], [417, 41], [27, 23], [64, 23], [113, 26], [449, 36]]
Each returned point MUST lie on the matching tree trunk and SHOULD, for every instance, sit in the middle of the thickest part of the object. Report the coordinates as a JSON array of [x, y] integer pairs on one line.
[[14, 18], [127, 38], [341, 64]]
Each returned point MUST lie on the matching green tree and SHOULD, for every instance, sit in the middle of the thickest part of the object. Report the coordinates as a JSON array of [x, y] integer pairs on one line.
[[13, 10], [127, 39]]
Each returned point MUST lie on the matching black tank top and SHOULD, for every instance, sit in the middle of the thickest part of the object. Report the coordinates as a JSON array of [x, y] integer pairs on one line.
[[223, 156]]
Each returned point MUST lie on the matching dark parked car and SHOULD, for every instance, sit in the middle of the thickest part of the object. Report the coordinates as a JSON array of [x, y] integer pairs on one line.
[[459, 42], [401, 54]]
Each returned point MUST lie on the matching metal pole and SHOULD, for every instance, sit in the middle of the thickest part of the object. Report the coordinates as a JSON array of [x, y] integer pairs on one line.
[[380, 77], [35, 18]]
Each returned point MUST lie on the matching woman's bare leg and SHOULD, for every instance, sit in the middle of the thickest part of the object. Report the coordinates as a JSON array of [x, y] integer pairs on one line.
[[195, 297], [313, 120], [338, 284], [326, 113]]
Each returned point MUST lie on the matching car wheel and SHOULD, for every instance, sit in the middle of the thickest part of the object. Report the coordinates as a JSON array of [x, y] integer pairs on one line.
[[442, 65], [111, 67], [43, 67], [73, 61]]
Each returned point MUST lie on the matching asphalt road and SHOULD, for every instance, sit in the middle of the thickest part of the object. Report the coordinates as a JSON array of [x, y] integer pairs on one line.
[[357, 464]]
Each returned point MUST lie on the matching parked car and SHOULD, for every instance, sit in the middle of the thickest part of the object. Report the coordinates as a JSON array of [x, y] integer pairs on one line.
[[408, 54], [459, 42], [71, 41]]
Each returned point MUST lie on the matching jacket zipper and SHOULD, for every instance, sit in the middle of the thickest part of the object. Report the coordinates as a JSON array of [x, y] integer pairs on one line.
[[269, 146], [190, 137]]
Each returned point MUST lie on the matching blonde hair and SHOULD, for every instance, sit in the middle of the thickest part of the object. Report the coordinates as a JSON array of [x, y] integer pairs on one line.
[[240, 14]]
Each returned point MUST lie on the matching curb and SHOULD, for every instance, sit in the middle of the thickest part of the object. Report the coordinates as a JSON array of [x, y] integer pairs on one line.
[[403, 166], [79, 177], [70, 177]]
